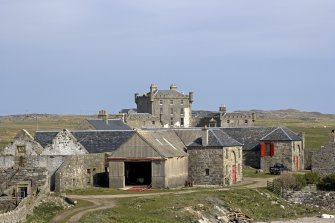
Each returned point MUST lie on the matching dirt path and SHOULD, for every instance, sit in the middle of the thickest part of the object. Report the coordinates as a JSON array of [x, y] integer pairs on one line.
[[100, 202]]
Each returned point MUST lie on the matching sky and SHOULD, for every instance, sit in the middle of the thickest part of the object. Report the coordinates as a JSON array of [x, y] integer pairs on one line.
[[80, 56]]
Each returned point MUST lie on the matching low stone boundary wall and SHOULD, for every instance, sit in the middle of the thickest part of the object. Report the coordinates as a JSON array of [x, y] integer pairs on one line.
[[25, 207]]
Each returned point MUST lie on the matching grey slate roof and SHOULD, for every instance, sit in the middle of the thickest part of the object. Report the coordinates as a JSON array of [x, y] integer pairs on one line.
[[166, 143], [281, 134], [93, 141], [169, 93], [250, 137], [216, 137], [113, 124]]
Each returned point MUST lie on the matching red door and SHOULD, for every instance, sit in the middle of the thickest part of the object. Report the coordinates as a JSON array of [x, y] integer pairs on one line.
[[234, 173], [297, 162]]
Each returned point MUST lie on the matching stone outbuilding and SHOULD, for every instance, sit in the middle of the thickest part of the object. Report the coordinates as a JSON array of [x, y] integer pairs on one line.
[[22, 145], [214, 157], [156, 158], [265, 146], [64, 143]]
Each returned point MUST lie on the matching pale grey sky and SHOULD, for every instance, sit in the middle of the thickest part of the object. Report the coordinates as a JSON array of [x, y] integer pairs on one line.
[[76, 57]]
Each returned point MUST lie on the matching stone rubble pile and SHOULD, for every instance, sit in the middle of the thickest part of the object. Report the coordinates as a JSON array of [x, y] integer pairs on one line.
[[319, 199]]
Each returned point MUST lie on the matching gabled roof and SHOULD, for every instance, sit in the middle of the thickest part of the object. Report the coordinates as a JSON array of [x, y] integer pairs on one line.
[[112, 124], [281, 134], [93, 141], [165, 142], [216, 137], [251, 136]]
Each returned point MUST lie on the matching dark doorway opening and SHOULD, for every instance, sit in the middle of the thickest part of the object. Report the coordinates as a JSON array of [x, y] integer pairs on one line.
[[137, 173], [101, 179]]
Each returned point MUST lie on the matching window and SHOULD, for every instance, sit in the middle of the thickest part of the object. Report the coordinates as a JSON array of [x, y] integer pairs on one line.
[[171, 111], [153, 122], [182, 111], [182, 102], [227, 171], [171, 122], [207, 172], [182, 121], [21, 149], [228, 121], [160, 102], [171, 102], [161, 110], [267, 149], [246, 121]]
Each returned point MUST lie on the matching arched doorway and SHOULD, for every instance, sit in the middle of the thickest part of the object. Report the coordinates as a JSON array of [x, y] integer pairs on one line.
[[233, 169]]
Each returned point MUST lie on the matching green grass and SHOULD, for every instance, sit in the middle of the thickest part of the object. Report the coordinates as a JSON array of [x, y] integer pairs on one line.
[[81, 203], [256, 204], [44, 213], [251, 172]]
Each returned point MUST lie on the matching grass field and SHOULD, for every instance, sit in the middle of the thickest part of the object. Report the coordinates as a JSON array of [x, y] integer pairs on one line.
[[187, 207], [10, 125]]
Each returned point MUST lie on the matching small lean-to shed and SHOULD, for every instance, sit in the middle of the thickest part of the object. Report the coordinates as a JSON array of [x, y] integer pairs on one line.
[[154, 158]]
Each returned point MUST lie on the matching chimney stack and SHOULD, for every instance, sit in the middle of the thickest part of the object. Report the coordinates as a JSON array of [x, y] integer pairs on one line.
[[205, 136], [103, 115], [173, 87]]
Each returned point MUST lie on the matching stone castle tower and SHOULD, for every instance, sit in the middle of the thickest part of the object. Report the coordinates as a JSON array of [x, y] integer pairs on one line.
[[173, 108]]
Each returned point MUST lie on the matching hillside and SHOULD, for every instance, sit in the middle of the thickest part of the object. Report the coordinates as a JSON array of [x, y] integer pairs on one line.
[[316, 125]]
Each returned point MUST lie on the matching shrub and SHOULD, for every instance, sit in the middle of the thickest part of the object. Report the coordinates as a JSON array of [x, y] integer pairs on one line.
[[312, 178], [300, 181], [327, 182], [286, 181]]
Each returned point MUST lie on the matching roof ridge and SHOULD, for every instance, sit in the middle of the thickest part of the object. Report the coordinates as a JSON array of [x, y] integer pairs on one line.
[[286, 133], [217, 138], [269, 133]]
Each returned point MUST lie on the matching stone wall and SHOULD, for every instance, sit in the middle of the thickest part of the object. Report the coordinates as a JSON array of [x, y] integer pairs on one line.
[[206, 165], [323, 160], [25, 207], [81, 171], [7, 162], [22, 145], [232, 163], [214, 165], [64, 143], [290, 154], [282, 154]]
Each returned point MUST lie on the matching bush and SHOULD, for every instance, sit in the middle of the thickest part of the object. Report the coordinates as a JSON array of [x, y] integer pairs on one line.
[[301, 181], [286, 181], [312, 178], [327, 182]]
